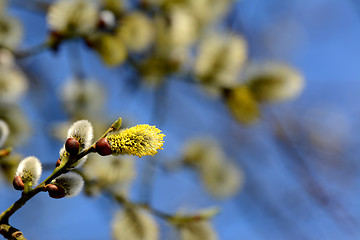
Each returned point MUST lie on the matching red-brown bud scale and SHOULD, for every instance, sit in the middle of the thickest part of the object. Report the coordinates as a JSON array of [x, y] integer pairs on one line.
[[18, 183], [103, 147], [55, 191], [72, 146]]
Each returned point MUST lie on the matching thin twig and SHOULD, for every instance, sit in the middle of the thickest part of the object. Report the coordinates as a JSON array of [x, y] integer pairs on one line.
[[32, 51]]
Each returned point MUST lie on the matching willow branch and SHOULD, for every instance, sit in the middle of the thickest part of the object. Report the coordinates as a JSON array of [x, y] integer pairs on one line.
[[63, 168], [11, 233]]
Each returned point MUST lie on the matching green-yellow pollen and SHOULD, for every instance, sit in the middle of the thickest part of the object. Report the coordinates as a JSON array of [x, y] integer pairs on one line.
[[140, 140], [27, 175]]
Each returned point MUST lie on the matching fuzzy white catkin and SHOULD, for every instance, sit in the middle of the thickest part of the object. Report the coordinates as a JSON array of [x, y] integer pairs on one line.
[[72, 183], [183, 28], [86, 96], [11, 31], [4, 132], [82, 131], [221, 178], [197, 152], [136, 31], [29, 169], [13, 84], [114, 173], [198, 230], [220, 59], [274, 82], [7, 58], [179, 34], [111, 169], [78, 15], [134, 224], [17, 121]]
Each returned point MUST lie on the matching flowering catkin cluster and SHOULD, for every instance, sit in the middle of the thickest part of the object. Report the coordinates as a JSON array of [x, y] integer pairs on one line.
[[29, 172], [72, 17], [116, 30], [158, 44], [180, 35], [140, 141]]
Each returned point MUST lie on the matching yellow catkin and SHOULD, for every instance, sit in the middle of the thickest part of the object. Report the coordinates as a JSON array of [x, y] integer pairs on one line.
[[243, 105], [140, 140]]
